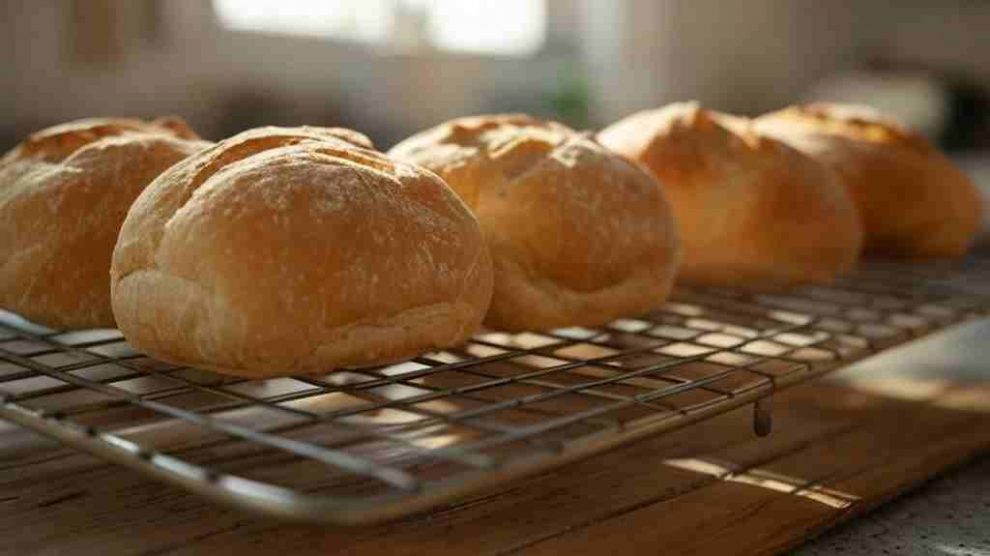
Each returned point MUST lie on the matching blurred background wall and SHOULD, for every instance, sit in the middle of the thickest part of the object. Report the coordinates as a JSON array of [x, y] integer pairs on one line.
[[391, 67]]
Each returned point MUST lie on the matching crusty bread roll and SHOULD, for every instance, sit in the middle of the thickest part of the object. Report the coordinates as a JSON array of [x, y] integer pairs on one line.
[[297, 250], [64, 192], [752, 211], [578, 235], [912, 201]]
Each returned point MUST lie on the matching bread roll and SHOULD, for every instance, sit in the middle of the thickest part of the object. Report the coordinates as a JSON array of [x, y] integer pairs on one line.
[[578, 235], [913, 202], [297, 250], [64, 192], [752, 211]]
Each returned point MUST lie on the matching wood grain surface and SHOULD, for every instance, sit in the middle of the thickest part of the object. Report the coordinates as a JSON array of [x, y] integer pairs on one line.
[[839, 447]]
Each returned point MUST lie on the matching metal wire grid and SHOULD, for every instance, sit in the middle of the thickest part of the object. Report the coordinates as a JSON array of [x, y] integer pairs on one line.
[[364, 445]]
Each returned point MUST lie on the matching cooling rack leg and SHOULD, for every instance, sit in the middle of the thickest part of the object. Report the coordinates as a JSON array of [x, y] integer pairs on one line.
[[762, 417]]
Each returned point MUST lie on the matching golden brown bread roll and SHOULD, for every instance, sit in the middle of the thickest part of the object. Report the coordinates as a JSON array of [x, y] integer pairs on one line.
[[578, 235], [912, 201], [752, 211], [64, 192], [296, 250]]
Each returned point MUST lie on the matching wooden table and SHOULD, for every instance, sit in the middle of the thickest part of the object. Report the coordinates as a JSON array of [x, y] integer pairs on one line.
[[839, 447]]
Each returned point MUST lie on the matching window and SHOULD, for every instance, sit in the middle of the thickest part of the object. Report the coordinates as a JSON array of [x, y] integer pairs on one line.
[[503, 27]]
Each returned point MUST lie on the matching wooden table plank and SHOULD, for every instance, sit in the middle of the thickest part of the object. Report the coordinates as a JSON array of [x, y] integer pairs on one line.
[[853, 471], [837, 449]]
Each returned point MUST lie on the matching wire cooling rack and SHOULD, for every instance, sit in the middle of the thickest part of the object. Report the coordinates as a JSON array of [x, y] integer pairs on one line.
[[358, 446]]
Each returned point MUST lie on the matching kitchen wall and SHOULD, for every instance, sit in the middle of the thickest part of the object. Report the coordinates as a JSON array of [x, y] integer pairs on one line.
[[739, 56], [155, 56], [209, 75]]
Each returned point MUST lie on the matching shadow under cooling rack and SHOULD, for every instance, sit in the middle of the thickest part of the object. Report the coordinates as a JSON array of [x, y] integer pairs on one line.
[[364, 445]]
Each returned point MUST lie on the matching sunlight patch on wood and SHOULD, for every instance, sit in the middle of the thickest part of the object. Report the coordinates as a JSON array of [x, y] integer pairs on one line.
[[768, 480]]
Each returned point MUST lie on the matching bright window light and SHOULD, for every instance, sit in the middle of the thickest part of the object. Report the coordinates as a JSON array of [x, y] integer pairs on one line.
[[502, 27], [365, 21], [508, 27]]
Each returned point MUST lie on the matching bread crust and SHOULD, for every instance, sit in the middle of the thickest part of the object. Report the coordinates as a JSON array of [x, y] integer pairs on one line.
[[752, 211], [578, 235], [913, 202], [297, 250], [64, 192]]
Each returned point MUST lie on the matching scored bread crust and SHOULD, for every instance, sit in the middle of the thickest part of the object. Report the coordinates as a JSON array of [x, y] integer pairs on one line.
[[297, 250], [913, 201], [578, 235], [752, 211], [64, 192]]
